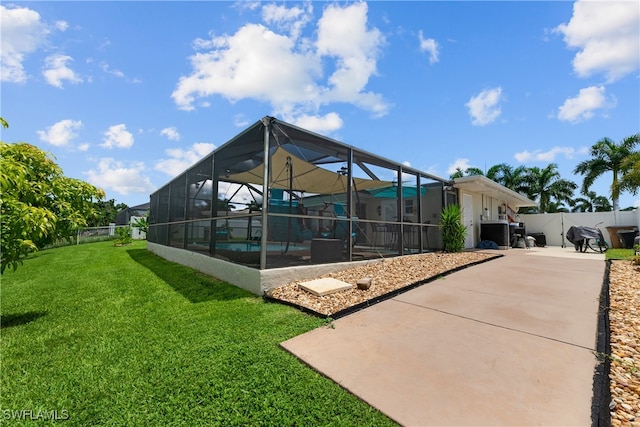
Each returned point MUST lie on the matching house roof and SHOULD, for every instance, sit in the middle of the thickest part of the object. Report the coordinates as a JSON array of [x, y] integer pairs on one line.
[[483, 185]]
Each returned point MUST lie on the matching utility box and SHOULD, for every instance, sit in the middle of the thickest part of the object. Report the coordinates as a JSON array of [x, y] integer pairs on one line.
[[496, 231]]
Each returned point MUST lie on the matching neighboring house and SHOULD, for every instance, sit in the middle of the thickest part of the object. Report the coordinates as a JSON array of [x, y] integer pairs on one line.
[[124, 216]]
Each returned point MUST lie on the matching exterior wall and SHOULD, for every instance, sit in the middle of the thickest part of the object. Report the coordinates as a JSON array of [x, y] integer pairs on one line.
[[239, 275], [555, 225], [255, 281]]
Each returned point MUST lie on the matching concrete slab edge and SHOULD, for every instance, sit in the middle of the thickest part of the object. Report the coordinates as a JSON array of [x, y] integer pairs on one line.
[[379, 298], [342, 386], [600, 415]]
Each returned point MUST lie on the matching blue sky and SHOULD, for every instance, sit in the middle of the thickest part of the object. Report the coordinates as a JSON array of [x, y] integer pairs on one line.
[[126, 95]]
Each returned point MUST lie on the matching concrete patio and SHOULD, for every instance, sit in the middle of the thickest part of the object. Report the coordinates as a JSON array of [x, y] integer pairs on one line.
[[507, 342]]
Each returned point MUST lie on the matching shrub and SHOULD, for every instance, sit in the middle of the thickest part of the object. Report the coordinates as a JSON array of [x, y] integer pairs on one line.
[[454, 232], [124, 235]]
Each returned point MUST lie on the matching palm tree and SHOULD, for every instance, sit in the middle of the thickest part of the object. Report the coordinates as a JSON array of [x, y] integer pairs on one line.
[[546, 184], [607, 157], [630, 181], [510, 177], [555, 207], [459, 173], [593, 203]]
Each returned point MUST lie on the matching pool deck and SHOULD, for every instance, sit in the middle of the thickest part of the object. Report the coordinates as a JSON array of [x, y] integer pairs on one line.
[[507, 342]]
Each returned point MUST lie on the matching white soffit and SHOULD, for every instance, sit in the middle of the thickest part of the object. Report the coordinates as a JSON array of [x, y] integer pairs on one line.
[[482, 185]]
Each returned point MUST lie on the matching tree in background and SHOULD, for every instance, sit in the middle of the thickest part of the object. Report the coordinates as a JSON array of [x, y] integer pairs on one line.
[[106, 212], [608, 157], [512, 178], [546, 186], [38, 204], [471, 171], [592, 203], [630, 180]]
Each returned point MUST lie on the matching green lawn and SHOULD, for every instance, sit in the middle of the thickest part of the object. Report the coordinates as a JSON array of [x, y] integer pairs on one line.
[[115, 335], [619, 253]]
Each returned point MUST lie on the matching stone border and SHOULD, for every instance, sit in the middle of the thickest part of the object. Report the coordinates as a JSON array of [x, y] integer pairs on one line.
[[600, 413]]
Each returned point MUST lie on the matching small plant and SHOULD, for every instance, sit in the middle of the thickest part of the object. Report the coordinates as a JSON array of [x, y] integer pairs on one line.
[[142, 223], [454, 232], [124, 236]]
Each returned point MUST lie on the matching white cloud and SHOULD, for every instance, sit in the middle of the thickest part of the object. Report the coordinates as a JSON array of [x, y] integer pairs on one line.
[[171, 133], [179, 160], [291, 19], [61, 25], [286, 71], [115, 72], [105, 67], [239, 120], [253, 63], [343, 34], [484, 108], [60, 133], [124, 179], [607, 35], [322, 124], [463, 164], [22, 32], [83, 147], [583, 106], [117, 136], [57, 71], [431, 46], [549, 155]]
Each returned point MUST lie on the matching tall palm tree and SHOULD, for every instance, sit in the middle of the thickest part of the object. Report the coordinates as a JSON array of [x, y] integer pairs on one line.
[[545, 185], [592, 203], [510, 177], [607, 157], [630, 181]]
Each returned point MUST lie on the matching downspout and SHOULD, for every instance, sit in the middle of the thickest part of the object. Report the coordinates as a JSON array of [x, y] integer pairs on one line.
[[266, 121]]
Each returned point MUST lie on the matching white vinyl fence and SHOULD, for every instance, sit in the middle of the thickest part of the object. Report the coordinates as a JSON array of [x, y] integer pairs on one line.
[[555, 225]]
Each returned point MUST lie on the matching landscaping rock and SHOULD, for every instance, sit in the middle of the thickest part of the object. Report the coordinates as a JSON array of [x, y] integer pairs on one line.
[[364, 283]]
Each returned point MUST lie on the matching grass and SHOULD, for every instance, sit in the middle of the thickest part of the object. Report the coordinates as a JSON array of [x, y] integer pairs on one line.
[[625, 254], [117, 335]]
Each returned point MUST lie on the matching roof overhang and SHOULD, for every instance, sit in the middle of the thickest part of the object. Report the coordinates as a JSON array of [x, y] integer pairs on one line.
[[483, 185]]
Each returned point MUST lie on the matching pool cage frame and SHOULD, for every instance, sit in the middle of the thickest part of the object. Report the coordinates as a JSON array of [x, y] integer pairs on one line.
[[326, 202]]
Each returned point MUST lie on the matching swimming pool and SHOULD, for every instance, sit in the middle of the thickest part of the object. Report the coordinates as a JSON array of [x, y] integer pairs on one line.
[[255, 246]]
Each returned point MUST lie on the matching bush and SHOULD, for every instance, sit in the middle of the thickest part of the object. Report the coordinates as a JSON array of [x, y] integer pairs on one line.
[[454, 232], [124, 235]]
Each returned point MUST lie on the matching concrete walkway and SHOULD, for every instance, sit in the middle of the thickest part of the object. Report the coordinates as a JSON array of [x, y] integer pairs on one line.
[[508, 342]]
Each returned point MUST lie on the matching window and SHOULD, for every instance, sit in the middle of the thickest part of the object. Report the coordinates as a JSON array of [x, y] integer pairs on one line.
[[408, 207]]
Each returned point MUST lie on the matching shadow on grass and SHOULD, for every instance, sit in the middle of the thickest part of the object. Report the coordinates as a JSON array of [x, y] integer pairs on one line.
[[10, 320], [191, 284]]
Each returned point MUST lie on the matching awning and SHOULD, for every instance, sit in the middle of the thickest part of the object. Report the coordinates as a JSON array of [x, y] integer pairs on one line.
[[307, 177], [480, 184]]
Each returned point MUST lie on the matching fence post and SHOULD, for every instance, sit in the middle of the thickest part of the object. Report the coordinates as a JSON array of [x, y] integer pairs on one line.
[[78, 237], [562, 228]]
